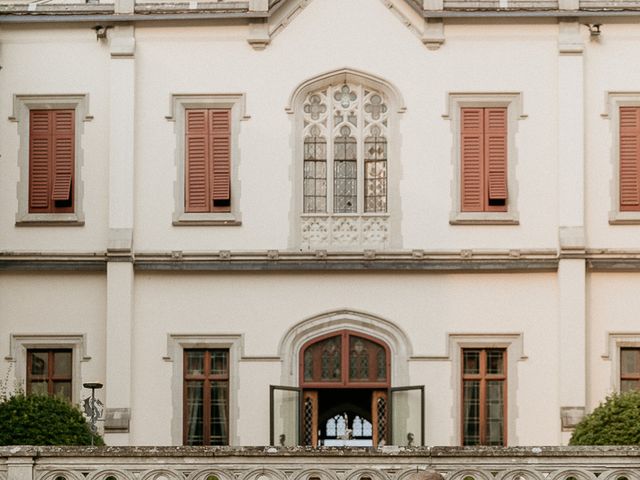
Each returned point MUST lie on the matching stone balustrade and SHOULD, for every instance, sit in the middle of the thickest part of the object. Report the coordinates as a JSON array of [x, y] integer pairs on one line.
[[270, 463]]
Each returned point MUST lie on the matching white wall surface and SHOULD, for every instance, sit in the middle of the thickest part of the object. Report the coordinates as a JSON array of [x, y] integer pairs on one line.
[[427, 307]]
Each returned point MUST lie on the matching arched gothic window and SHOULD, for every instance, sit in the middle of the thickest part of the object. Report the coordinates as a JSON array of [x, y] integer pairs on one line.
[[345, 359], [345, 166]]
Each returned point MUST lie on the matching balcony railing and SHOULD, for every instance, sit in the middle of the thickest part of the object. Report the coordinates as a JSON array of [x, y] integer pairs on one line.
[[270, 463]]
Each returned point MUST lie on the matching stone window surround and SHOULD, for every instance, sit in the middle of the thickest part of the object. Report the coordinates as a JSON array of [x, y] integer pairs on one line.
[[513, 343], [334, 321], [22, 104], [176, 345], [613, 102], [178, 105], [20, 343], [396, 105], [614, 342], [513, 102]]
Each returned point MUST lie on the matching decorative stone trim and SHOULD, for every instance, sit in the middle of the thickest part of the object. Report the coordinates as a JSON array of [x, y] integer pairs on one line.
[[20, 343], [359, 322]]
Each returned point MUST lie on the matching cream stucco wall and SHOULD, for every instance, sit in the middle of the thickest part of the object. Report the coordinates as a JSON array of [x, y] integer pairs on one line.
[[562, 317]]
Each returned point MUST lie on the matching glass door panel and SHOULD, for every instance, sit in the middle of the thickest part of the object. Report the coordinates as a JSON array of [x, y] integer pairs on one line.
[[407, 416], [285, 415]]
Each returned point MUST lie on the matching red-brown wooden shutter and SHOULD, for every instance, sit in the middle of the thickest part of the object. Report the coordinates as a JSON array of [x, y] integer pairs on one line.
[[63, 154], [196, 162], [471, 159], [495, 146], [629, 158], [40, 158], [220, 134]]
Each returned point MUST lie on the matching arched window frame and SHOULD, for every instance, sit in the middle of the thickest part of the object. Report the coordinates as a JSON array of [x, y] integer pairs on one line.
[[345, 381], [358, 229]]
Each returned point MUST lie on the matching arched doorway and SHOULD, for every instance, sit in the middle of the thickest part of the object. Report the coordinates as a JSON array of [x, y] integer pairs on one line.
[[344, 378], [345, 397]]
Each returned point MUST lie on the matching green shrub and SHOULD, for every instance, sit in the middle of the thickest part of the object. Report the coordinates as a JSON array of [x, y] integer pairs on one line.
[[43, 420], [614, 422]]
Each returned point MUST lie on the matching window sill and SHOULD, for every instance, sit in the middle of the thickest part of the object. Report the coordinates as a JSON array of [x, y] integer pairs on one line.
[[49, 220], [484, 218], [206, 220], [624, 218]]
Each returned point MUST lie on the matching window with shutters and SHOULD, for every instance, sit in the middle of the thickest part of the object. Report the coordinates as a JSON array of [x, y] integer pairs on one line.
[[50, 158], [623, 111], [484, 127], [207, 156]]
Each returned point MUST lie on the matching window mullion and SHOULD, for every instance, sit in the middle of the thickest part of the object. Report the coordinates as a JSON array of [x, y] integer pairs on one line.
[[206, 400], [483, 397], [330, 148], [360, 151]]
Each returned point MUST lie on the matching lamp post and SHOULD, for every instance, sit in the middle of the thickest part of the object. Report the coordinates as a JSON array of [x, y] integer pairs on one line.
[[92, 407]]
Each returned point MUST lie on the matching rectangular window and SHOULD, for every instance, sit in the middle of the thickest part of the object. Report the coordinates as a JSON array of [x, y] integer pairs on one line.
[[629, 369], [208, 160], [484, 391], [206, 397], [51, 160], [629, 158], [483, 159], [49, 372]]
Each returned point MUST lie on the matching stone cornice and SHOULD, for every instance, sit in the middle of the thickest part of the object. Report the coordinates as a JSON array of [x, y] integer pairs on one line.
[[447, 261], [199, 11]]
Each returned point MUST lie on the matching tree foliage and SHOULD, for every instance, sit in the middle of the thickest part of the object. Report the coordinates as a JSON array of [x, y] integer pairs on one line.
[[616, 421], [43, 420]]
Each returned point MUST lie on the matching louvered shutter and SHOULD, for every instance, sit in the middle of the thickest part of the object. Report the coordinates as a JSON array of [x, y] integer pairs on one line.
[[629, 158], [495, 151], [40, 157], [63, 154], [196, 162], [471, 158], [220, 141]]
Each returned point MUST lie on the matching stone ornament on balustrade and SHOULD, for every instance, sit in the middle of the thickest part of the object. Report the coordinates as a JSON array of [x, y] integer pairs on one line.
[[290, 473]]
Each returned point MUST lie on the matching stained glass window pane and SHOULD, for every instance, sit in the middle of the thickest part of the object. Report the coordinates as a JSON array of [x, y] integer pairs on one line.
[[375, 191], [367, 360], [322, 361], [315, 175], [627, 385]]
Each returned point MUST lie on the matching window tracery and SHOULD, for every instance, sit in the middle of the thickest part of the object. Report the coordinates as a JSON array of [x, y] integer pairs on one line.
[[345, 154], [345, 358]]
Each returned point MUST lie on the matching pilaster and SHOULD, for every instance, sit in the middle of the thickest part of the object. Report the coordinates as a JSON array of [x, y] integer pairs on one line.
[[571, 236], [120, 273], [20, 468]]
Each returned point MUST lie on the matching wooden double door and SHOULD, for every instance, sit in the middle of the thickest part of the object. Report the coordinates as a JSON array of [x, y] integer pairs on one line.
[[347, 417]]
